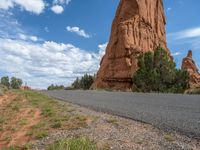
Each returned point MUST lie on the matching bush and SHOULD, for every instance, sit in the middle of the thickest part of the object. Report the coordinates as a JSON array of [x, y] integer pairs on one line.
[[16, 83], [157, 73], [5, 81], [56, 87]]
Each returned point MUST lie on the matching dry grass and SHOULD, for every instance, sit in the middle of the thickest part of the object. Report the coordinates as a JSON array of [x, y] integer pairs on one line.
[[112, 121]]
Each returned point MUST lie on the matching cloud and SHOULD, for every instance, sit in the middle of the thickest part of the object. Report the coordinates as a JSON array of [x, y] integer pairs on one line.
[[189, 36], [57, 9], [6, 4], [188, 33], [26, 37], [34, 6], [176, 54], [169, 9], [61, 2], [78, 31], [40, 64], [102, 49], [34, 38], [9, 26]]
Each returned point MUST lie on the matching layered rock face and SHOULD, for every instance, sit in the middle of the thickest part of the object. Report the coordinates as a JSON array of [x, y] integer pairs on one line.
[[138, 27], [189, 65]]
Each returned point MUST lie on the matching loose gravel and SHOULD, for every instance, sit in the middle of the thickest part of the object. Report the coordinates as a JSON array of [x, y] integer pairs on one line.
[[169, 112], [117, 133]]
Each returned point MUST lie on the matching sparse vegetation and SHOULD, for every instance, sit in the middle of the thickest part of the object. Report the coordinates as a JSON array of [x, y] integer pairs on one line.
[[158, 73], [112, 121], [79, 143], [169, 137], [54, 114], [21, 108]]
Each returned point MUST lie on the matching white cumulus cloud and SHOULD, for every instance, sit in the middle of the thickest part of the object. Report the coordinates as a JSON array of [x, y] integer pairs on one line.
[[57, 9], [188, 33], [6, 4], [176, 54], [41, 64], [34, 6], [78, 31]]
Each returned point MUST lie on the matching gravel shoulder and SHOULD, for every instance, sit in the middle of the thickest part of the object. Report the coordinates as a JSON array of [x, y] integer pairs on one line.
[[30, 120], [169, 112], [112, 132]]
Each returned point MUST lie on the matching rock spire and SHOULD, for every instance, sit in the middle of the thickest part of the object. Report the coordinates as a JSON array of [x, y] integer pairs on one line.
[[138, 27]]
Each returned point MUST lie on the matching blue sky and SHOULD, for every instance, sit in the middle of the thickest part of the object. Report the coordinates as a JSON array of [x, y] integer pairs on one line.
[[55, 41]]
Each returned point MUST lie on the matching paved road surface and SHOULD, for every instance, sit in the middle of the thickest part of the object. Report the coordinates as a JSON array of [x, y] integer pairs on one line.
[[166, 111]]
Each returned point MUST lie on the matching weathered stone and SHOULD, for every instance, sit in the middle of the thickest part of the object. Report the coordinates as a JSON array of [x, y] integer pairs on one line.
[[189, 65], [138, 27]]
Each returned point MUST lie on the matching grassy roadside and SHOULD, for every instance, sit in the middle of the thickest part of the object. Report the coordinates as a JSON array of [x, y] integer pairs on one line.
[[28, 116], [53, 116]]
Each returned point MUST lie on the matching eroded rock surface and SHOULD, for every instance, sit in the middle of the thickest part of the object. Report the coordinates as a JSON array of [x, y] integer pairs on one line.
[[189, 65], [138, 27]]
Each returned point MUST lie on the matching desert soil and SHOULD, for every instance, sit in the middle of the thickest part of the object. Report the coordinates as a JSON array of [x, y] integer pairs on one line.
[[16, 121]]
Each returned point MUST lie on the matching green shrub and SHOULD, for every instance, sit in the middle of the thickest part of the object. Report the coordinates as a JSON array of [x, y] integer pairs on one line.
[[5, 81], [16, 83], [158, 73], [56, 87]]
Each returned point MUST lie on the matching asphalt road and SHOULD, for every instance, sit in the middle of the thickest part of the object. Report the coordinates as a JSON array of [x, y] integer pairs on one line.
[[170, 112]]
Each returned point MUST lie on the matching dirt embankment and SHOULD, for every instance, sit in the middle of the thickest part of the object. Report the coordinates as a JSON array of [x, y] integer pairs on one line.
[[16, 120]]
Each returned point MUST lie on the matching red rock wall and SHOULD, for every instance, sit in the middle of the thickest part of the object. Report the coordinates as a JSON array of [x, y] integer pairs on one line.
[[189, 65]]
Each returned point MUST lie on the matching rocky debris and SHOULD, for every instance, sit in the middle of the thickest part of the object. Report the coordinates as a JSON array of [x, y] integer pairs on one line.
[[189, 65], [138, 27], [116, 133]]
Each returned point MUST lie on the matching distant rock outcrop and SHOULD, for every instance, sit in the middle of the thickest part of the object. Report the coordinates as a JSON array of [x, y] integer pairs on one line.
[[138, 27], [189, 65]]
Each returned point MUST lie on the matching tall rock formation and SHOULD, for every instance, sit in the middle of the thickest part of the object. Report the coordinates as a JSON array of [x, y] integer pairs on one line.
[[189, 65], [138, 27]]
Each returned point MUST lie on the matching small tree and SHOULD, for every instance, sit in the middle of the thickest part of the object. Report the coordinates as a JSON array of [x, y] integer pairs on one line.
[[157, 73], [76, 84], [5, 81], [16, 83], [84, 83]]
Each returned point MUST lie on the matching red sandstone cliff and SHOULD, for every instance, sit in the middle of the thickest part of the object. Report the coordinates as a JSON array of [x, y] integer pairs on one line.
[[189, 65], [138, 27]]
